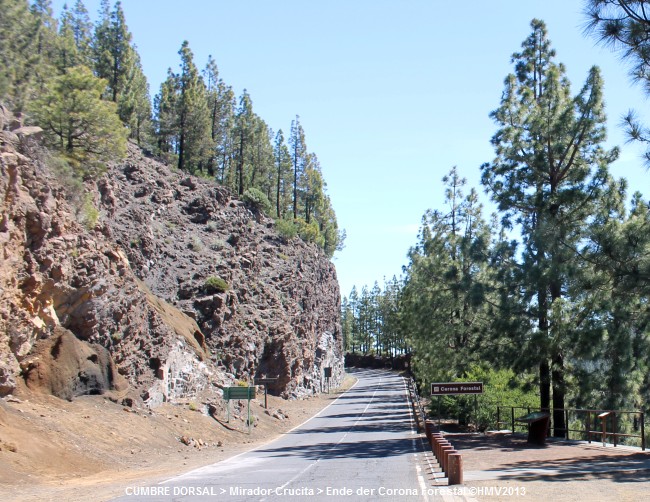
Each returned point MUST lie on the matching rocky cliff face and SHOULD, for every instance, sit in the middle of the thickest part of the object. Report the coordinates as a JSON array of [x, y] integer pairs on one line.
[[176, 291]]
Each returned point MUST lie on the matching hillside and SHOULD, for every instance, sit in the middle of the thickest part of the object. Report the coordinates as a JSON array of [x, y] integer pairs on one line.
[[175, 291]]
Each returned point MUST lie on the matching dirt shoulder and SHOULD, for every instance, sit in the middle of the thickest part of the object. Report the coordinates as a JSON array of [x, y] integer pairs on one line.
[[92, 448]]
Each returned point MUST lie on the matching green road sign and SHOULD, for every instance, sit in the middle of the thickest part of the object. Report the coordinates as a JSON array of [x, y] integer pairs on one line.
[[238, 393]]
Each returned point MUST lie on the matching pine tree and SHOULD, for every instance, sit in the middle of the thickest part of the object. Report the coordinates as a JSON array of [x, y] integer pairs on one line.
[[166, 121], [623, 25], [298, 150], [262, 171], [117, 61], [16, 55], [548, 176], [74, 41], [112, 49], [394, 342], [614, 291], [193, 115], [67, 49], [332, 238], [134, 104], [282, 161], [220, 105], [243, 134], [44, 44], [82, 30], [347, 319], [78, 123], [444, 299], [312, 188], [353, 301]]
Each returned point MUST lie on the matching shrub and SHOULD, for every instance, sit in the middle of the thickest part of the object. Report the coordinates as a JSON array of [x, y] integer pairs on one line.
[[89, 213], [257, 200], [217, 244], [500, 387], [195, 243], [286, 229], [309, 232], [216, 284]]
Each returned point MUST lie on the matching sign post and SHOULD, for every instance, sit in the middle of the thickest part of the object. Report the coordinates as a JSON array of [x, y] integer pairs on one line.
[[328, 375], [266, 382], [456, 388], [234, 393]]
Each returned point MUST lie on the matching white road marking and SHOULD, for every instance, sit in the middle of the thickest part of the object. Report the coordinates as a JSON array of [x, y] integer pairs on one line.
[[280, 488], [421, 482]]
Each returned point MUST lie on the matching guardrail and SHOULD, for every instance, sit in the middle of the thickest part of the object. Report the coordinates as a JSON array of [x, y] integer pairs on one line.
[[417, 405], [583, 416]]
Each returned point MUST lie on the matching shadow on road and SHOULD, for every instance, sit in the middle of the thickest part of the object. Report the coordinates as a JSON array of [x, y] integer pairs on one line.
[[357, 449]]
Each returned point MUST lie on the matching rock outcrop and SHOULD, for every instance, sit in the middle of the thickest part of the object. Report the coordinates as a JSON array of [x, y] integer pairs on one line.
[[176, 289]]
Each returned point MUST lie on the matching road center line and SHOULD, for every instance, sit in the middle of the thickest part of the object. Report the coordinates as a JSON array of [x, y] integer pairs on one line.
[[333, 447]]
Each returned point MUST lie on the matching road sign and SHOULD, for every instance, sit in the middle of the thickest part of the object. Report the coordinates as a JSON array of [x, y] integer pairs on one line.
[[238, 393], [328, 372], [452, 388], [266, 382], [232, 393]]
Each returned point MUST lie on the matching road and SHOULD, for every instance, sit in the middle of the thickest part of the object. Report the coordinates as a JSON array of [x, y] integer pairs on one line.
[[361, 447]]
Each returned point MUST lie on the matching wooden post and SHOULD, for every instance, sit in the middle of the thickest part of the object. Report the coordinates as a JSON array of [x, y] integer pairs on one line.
[[444, 454], [441, 444], [455, 475], [249, 416], [589, 426], [435, 438], [643, 431], [566, 422], [428, 429]]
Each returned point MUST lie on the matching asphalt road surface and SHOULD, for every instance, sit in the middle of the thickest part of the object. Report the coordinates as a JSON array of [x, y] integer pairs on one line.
[[361, 447]]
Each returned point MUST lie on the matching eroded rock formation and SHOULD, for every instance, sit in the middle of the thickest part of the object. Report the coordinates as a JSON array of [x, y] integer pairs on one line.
[[177, 290]]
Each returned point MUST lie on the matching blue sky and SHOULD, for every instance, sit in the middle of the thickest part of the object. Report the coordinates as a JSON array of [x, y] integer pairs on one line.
[[391, 94]]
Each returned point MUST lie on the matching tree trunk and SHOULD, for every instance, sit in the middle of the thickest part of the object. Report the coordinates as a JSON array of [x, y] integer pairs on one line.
[[557, 375], [544, 368], [240, 164], [559, 425], [544, 385], [181, 151], [277, 191]]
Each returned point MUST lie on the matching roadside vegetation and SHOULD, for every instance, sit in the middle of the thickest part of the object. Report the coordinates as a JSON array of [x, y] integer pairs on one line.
[[548, 299]]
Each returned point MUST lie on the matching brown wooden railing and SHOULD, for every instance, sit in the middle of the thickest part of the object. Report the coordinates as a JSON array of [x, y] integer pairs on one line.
[[603, 423]]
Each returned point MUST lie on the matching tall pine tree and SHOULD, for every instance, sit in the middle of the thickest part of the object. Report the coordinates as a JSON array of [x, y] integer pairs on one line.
[[547, 178]]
